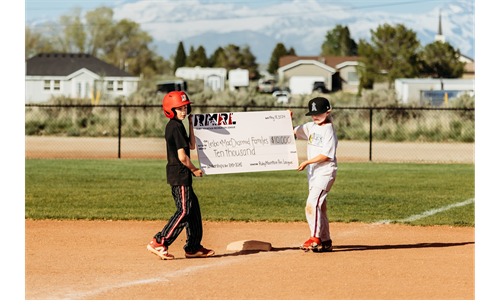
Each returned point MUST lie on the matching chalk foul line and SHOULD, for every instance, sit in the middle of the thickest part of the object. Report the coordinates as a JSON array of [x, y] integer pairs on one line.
[[429, 213], [164, 278]]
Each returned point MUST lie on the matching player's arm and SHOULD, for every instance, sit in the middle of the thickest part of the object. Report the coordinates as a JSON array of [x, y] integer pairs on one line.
[[313, 160], [291, 117], [192, 142], [187, 162]]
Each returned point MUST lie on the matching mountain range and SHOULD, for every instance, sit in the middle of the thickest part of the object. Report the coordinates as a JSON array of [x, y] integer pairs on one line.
[[298, 24]]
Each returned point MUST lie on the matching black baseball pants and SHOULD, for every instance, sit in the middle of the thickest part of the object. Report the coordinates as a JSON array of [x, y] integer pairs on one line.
[[187, 215]]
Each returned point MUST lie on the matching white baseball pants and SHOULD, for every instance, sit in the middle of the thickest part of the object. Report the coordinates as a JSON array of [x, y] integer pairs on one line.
[[316, 213]]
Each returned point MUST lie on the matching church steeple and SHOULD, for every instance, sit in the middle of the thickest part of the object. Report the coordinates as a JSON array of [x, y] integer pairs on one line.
[[439, 36]]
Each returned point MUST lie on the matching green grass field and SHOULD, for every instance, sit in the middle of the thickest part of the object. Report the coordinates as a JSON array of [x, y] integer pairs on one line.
[[137, 189]]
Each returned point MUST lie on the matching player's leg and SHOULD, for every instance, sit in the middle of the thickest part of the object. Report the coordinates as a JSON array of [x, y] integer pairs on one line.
[[178, 221], [194, 230], [313, 216], [324, 234], [163, 239], [326, 241]]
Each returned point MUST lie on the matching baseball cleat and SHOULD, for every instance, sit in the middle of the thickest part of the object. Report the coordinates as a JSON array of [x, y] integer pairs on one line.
[[202, 252], [326, 246], [311, 244], [159, 250]]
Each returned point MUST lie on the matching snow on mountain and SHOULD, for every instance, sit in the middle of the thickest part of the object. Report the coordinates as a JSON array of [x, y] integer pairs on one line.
[[299, 24]]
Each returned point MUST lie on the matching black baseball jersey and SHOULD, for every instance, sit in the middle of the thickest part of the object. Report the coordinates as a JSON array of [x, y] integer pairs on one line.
[[176, 138]]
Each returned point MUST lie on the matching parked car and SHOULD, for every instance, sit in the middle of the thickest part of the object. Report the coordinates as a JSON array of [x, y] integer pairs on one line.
[[282, 97], [266, 86], [168, 86], [319, 86], [304, 85]]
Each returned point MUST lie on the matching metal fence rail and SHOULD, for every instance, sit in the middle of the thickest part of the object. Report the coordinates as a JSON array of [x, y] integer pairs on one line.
[[379, 134]]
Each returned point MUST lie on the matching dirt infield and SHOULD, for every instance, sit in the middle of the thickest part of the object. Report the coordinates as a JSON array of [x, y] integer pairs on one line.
[[347, 151], [109, 260]]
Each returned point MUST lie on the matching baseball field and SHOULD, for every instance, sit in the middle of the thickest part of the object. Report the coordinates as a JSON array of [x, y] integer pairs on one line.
[[400, 231]]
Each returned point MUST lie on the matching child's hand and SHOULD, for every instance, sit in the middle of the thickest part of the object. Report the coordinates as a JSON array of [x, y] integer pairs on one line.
[[198, 173], [302, 166]]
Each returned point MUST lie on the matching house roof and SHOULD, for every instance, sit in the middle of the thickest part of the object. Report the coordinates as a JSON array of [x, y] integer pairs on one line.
[[307, 61], [331, 61], [64, 64]]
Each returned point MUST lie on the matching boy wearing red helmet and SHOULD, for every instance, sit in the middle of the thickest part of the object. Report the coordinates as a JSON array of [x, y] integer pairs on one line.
[[177, 107]]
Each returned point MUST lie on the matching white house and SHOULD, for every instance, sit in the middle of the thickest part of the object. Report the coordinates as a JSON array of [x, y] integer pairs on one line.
[[75, 75], [214, 78], [338, 72], [238, 78], [416, 89]]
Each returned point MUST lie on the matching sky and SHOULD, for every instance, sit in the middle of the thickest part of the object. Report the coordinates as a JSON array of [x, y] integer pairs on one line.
[[301, 24], [51, 9]]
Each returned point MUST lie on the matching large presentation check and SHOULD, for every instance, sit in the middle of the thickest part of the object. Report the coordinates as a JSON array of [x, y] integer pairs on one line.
[[245, 142]]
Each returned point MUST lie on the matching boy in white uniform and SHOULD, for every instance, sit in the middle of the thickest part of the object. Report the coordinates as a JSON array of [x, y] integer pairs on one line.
[[321, 170]]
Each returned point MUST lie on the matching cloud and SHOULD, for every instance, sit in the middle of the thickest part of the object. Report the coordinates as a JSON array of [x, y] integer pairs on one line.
[[300, 24]]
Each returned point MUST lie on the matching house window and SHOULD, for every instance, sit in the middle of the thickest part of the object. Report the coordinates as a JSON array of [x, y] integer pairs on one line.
[[46, 85], [57, 85], [79, 88], [87, 89], [352, 77], [120, 86], [110, 86]]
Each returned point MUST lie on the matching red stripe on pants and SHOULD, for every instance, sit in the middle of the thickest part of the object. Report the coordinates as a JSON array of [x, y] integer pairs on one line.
[[183, 197]]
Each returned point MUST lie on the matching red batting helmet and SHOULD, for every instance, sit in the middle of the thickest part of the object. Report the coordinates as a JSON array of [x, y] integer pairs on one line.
[[173, 100]]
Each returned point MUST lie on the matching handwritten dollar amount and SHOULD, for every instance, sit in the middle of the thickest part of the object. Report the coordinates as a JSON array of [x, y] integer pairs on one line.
[[244, 147], [250, 142]]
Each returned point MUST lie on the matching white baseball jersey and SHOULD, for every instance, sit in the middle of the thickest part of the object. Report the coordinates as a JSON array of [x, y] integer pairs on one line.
[[321, 140]]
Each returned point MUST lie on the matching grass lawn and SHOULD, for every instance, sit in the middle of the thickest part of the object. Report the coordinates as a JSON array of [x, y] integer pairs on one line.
[[137, 189]]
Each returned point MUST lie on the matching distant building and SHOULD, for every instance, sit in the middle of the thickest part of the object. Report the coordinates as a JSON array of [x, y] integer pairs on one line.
[[75, 75], [339, 72], [470, 67], [439, 36], [238, 78], [432, 91], [214, 78]]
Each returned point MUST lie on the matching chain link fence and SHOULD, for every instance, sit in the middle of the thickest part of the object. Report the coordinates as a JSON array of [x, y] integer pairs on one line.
[[377, 134]]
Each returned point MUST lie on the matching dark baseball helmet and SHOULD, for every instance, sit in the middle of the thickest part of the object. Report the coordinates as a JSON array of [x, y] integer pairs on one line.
[[318, 106]]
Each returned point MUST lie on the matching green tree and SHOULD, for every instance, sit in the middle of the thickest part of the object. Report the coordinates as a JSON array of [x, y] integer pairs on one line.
[[197, 57], [121, 43], [249, 62], [392, 54], [99, 26], [441, 60], [234, 57], [180, 57], [191, 57], [76, 32], [217, 58], [127, 48], [201, 57], [278, 52], [70, 35], [339, 43], [35, 43]]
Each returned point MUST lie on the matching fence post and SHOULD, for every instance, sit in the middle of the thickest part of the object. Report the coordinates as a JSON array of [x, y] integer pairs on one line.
[[119, 129], [371, 121]]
